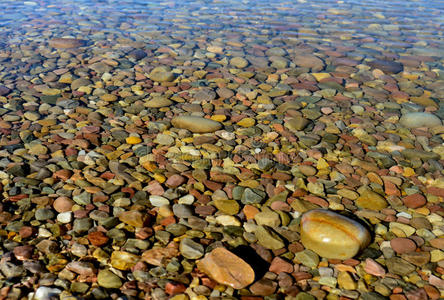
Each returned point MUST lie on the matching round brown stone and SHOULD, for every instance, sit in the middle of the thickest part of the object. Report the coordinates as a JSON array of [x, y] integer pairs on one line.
[[63, 204], [414, 201], [97, 238], [403, 245]]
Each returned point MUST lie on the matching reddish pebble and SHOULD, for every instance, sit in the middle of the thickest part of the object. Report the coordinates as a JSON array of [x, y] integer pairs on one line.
[[155, 188], [436, 281], [397, 297], [174, 288], [432, 292], [81, 213], [403, 245], [63, 204], [418, 294], [23, 252], [26, 232], [373, 268], [437, 243], [97, 238], [263, 287], [175, 180], [279, 265], [414, 201], [326, 110], [62, 174]]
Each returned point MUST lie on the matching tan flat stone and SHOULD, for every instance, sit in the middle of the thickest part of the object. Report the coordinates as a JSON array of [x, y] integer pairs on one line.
[[226, 268], [196, 124]]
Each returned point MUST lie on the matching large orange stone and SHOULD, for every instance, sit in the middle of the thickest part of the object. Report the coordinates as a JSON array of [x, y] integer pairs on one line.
[[332, 235], [226, 268]]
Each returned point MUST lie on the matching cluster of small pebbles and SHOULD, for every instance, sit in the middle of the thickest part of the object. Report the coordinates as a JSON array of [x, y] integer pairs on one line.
[[192, 162]]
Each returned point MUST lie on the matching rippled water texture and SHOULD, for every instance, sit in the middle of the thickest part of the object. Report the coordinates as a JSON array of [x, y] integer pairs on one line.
[[370, 28]]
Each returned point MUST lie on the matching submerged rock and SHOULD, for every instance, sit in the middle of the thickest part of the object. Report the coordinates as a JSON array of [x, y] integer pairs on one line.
[[388, 67], [419, 119], [161, 74], [196, 124], [227, 268], [66, 43], [332, 235]]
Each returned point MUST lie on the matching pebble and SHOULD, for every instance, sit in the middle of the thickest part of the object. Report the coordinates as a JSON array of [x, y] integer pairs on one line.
[[65, 43], [196, 124], [371, 200], [263, 287], [190, 249], [307, 258], [309, 61], [399, 266], [388, 67], [332, 235], [65, 217], [158, 201], [227, 268], [133, 140], [45, 293], [108, 279], [229, 207], [239, 62], [268, 239], [133, 218], [374, 268], [158, 102], [123, 260], [419, 119], [161, 74]]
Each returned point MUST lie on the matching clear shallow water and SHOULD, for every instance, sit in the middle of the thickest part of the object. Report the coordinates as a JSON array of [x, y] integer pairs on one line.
[[316, 55], [405, 27]]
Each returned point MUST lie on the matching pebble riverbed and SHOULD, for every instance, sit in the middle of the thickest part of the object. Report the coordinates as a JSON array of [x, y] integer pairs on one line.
[[193, 150]]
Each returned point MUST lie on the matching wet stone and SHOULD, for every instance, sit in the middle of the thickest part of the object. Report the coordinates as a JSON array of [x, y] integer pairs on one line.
[[141, 149], [251, 196], [161, 74], [419, 119], [108, 279], [239, 62], [403, 245], [82, 225], [227, 268], [158, 101], [44, 214], [307, 258], [133, 218], [65, 43], [371, 200], [268, 239], [122, 260], [229, 207], [399, 266], [263, 287], [332, 235], [204, 95], [388, 67], [196, 124], [190, 249], [182, 210]]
